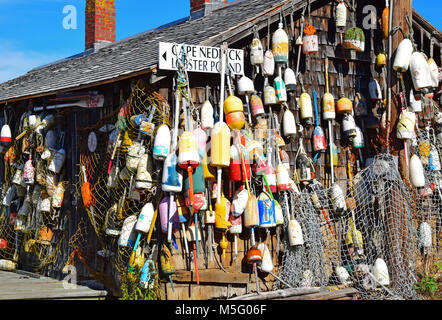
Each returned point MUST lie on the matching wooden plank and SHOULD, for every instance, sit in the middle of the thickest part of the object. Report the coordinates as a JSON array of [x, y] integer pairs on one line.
[[16, 286], [325, 294], [278, 294]]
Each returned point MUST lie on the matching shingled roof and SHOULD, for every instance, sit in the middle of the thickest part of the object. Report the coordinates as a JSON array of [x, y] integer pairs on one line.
[[135, 54]]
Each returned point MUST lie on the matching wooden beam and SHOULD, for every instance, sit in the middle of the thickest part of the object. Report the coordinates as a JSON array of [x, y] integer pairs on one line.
[[401, 9], [278, 294]]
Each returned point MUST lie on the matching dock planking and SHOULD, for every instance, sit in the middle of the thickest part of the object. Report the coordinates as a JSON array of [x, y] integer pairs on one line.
[[14, 286]]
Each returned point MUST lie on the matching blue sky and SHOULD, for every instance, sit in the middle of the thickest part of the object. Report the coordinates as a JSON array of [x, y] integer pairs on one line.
[[32, 33]]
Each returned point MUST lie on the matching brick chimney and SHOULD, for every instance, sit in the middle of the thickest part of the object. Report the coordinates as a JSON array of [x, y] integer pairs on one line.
[[200, 8], [100, 23]]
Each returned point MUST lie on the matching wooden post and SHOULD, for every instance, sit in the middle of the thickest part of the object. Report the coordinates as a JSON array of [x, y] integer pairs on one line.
[[398, 223]]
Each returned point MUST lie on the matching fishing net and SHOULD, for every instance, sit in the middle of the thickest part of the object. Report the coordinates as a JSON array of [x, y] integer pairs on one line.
[[112, 201], [429, 204], [38, 243], [383, 228]]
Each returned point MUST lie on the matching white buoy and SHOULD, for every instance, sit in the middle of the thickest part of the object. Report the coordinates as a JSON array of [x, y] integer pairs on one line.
[[145, 218], [420, 71], [406, 125], [295, 233], [289, 123], [239, 202], [207, 120], [267, 263], [143, 179], [268, 67], [380, 271], [172, 179], [128, 233], [5, 136], [416, 105], [337, 199], [289, 80], [341, 15], [403, 56], [424, 235], [417, 176], [161, 146], [343, 275], [57, 161], [256, 52]]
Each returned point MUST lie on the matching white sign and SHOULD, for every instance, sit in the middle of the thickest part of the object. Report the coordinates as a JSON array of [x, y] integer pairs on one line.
[[199, 58]]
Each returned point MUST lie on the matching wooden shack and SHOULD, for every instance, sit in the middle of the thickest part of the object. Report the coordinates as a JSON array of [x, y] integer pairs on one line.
[[113, 69]]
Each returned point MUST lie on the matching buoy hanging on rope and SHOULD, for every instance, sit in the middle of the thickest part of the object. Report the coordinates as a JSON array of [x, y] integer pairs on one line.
[[220, 146], [381, 59], [162, 143], [246, 87], [406, 125], [358, 140], [328, 101], [337, 199], [254, 257], [29, 172], [144, 222], [403, 56], [348, 126], [6, 136], [233, 104], [420, 71], [266, 207], [280, 45], [310, 42], [289, 123], [236, 230], [172, 179], [305, 105], [303, 168], [280, 91], [256, 51], [207, 120], [164, 212], [268, 67], [289, 80], [269, 94], [266, 263], [256, 105], [341, 15], [386, 20], [128, 233], [319, 144], [282, 177], [417, 176], [235, 120]]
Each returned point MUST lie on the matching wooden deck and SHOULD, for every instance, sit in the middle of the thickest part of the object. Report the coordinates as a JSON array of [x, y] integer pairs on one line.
[[19, 286]]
